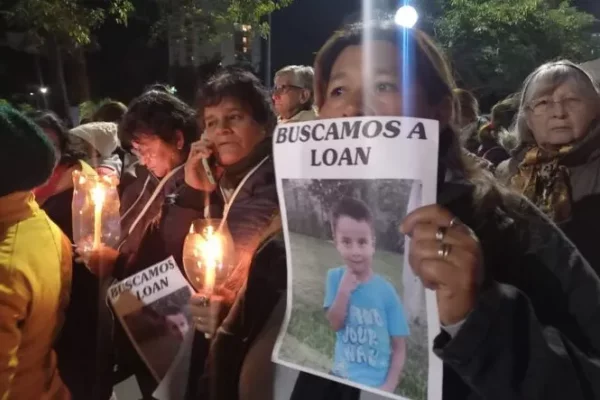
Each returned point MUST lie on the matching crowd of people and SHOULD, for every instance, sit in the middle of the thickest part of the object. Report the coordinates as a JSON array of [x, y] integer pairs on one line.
[[517, 287]]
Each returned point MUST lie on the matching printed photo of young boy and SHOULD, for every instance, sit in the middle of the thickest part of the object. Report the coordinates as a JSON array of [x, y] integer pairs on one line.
[[353, 315], [362, 307]]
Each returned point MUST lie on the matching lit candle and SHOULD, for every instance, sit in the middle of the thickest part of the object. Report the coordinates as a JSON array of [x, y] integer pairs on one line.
[[98, 196], [211, 253]]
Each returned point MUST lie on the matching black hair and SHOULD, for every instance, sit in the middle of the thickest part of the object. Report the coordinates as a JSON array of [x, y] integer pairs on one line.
[[242, 86], [111, 111], [431, 70], [353, 208], [429, 65], [161, 114], [71, 148], [159, 87]]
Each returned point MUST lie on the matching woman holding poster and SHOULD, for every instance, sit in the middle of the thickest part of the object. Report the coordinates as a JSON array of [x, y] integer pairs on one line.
[[518, 304]]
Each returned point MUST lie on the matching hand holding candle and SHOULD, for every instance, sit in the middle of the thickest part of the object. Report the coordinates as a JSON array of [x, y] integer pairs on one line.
[[207, 259], [96, 219]]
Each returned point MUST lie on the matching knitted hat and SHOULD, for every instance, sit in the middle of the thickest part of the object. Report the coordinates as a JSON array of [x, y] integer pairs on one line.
[[27, 157], [102, 136]]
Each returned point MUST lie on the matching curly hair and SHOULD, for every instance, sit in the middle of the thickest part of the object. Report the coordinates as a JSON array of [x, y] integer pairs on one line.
[[71, 149], [161, 114], [243, 86]]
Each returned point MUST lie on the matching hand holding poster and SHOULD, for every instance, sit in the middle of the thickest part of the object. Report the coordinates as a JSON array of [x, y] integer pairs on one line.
[[152, 307], [354, 311]]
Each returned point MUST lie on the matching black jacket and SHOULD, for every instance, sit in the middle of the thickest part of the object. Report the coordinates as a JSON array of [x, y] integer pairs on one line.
[[251, 214], [267, 280], [535, 330], [160, 233]]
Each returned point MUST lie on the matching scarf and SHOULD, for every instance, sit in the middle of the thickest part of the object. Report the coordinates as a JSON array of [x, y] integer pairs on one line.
[[545, 181]]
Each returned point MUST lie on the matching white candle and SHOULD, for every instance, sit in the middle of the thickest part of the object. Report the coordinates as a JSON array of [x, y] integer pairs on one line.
[[98, 195], [212, 254]]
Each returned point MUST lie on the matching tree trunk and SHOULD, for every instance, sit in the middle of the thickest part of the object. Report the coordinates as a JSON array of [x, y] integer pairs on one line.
[[56, 56], [81, 85]]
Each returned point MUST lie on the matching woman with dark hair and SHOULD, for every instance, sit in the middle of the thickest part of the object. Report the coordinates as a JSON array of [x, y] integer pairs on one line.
[[111, 111], [236, 113], [157, 207], [518, 305], [76, 346]]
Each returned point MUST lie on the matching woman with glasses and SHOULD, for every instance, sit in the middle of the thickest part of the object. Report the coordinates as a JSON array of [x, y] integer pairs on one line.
[[557, 161], [157, 209], [293, 94]]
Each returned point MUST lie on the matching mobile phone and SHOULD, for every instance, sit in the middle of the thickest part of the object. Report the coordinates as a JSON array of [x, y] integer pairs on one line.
[[206, 163]]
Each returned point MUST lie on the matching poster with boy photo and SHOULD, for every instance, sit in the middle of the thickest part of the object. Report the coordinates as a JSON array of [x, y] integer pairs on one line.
[[356, 313], [349, 319]]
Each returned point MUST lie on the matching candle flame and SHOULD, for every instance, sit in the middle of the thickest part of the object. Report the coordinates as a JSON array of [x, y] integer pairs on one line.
[[210, 249], [98, 195]]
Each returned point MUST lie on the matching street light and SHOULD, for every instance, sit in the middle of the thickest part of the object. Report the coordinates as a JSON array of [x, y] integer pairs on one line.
[[43, 90], [406, 16]]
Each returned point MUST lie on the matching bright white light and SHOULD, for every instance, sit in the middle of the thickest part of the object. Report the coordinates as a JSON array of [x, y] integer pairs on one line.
[[43, 90], [406, 16], [32, 94]]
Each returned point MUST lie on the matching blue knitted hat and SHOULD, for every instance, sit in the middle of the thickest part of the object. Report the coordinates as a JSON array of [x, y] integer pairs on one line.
[[27, 157]]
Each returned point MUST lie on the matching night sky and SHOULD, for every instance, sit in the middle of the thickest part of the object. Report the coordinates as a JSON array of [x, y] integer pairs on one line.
[[123, 64]]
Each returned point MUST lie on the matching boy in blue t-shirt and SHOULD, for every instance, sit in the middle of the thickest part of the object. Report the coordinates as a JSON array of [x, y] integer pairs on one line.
[[362, 307]]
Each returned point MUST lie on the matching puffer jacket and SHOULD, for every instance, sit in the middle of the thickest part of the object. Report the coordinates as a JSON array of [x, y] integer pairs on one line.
[[35, 283], [534, 332], [156, 215], [583, 162]]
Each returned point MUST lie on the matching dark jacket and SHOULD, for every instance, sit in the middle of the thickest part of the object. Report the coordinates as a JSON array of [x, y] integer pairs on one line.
[[160, 233], [583, 162], [231, 351], [250, 216], [535, 330]]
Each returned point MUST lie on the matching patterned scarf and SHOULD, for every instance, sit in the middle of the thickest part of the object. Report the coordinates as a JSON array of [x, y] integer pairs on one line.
[[543, 180]]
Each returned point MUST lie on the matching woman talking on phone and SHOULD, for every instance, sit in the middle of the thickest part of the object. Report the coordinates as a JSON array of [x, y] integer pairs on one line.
[[233, 161], [518, 305]]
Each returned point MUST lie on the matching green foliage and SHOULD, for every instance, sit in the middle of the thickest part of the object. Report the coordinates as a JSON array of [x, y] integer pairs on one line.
[[494, 44], [69, 21], [25, 108], [206, 18], [4, 102]]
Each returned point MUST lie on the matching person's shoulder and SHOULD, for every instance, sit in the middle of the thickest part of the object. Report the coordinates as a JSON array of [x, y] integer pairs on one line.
[[506, 169], [336, 273], [384, 284]]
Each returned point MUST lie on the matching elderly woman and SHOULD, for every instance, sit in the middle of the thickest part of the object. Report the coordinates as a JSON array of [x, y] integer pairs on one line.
[[293, 94], [238, 119], [518, 305], [557, 162], [157, 208]]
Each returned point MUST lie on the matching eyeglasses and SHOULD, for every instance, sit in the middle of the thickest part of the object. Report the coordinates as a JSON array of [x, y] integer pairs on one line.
[[279, 90], [544, 106]]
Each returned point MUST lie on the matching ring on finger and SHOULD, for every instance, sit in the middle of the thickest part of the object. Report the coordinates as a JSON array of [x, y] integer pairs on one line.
[[440, 234], [444, 250], [454, 222]]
